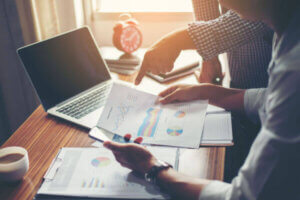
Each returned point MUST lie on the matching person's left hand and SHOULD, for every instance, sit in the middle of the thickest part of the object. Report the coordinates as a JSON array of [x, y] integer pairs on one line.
[[210, 72], [183, 93], [132, 156]]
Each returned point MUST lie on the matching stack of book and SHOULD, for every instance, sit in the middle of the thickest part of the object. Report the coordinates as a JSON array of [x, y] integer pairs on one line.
[[120, 62], [117, 61]]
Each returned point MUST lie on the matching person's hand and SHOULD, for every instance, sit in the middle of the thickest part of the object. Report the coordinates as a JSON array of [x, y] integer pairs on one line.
[[210, 72], [182, 93], [161, 56], [132, 156]]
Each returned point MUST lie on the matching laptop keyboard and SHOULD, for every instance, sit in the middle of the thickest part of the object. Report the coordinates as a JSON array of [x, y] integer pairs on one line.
[[87, 104]]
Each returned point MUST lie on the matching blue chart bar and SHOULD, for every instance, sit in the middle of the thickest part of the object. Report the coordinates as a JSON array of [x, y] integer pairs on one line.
[[93, 183], [149, 125], [83, 185]]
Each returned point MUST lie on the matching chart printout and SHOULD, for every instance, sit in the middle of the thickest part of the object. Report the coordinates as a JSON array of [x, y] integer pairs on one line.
[[129, 110], [94, 172]]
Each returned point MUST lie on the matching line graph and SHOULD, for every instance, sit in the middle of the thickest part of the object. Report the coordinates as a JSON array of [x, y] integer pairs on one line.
[[122, 111]]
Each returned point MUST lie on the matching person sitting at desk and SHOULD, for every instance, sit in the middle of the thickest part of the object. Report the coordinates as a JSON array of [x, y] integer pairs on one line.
[[271, 170], [248, 47], [248, 51]]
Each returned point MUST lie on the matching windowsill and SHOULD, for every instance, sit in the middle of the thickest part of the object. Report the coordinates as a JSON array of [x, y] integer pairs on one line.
[[146, 16]]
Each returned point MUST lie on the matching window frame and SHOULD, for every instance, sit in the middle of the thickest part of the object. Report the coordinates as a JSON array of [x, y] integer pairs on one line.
[[141, 16], [146, 16]]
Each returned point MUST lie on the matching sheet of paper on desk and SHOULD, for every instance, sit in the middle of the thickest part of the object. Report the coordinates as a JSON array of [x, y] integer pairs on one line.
[[94, 172], [136, 112]]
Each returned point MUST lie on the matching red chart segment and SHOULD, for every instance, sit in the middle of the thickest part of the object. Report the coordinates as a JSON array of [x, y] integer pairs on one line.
[[174, 131], [180, 114]]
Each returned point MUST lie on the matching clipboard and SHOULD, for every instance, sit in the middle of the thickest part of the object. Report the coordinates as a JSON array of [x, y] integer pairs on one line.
[[63, 182]]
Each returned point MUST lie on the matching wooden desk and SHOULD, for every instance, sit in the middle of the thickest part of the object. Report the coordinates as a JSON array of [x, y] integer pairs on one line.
[[43, 136]]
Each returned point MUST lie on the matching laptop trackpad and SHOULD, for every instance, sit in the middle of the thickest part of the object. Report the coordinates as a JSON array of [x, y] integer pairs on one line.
[[92, 118]]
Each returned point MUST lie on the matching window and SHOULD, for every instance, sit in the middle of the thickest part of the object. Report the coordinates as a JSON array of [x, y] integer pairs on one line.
[[156, 17], [113, 6]]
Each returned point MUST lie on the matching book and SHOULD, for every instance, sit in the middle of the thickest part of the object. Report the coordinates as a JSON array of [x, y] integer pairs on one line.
[[113, 56], [122, 71], [187, 62]]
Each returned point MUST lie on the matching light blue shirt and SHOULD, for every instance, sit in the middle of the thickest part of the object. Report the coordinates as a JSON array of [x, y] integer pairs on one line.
[[272, 168]]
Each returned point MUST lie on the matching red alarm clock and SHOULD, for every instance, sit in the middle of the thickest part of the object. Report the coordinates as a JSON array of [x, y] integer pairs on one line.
[[127, 36]]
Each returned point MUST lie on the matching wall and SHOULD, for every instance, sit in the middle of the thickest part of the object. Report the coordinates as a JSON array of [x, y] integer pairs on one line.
[[152, 25]]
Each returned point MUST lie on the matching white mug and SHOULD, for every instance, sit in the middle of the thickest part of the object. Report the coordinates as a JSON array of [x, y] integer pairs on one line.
[[14, 163]]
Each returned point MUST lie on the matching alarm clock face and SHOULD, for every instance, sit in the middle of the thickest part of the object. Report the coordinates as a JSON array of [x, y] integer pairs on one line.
[[131, 39]]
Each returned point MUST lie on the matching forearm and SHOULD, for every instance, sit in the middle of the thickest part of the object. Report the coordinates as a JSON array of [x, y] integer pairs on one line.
[[179, 39], [227, 98], [225, 33], [180, 186]]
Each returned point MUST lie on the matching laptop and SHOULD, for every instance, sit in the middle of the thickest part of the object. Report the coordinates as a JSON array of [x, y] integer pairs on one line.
[[69, 75]]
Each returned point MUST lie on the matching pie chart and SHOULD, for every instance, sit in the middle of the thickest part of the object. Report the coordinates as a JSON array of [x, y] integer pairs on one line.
[[174, 131], [100, 162], [180, 114]]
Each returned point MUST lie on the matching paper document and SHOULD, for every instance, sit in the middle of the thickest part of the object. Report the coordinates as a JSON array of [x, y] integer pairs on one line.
[[129, 110], [217, 129], [94, 172]]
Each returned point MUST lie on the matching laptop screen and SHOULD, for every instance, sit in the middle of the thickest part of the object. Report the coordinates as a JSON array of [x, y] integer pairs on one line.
[[64, 66]]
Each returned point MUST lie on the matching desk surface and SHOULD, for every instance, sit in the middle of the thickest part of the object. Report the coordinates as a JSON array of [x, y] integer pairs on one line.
[[43, 136]]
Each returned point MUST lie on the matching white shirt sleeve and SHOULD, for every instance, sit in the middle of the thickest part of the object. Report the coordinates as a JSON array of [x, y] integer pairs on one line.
[[274, 156], [215, 190], [254, 101]]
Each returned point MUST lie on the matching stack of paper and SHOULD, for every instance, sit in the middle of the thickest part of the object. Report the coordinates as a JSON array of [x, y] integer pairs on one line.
[[217, 129]]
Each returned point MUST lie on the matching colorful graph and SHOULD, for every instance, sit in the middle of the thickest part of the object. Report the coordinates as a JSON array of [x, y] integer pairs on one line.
[[179, 114], [93, 183], [100, 162], [149, 125], [174, 131]]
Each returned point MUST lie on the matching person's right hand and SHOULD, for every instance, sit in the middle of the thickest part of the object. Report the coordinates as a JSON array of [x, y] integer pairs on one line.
[[132, 156], [159, 58], [210, 71]]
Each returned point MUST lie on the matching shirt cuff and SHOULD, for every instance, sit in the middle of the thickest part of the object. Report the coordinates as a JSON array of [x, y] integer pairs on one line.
[[215, 190], [203, 37], [253, 101]]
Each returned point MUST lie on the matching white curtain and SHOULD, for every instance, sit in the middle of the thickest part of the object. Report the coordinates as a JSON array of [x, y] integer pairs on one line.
[[21, 22], [38, 19]]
